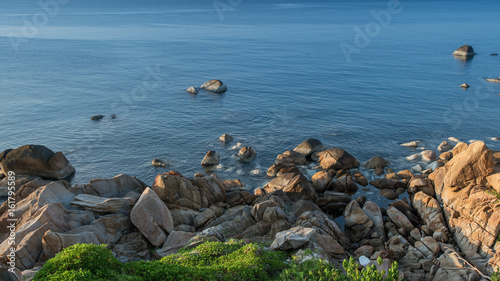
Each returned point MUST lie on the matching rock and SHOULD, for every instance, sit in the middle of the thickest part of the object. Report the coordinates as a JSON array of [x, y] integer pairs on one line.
[[292, 239], [204, 217], [376, 162], [431, 244], [428, 156], [158, 163], [275, 168], [291, 158], [445, 146], [327, 243], [321, 180], [474, 164], [237, 198], [303, 206], [289, 170], [233, 223], [215, 86], [226, 138], [421, 184], [446, 156], [384, 183], [337, 159], [358, 224], [417, 168], [405, 174], [152, 217], [310, 146], [365, 250], [233, 184], [494, 80], [493, 54], [247, 154], [106, 205], [400, 220], [459, 148], [334, 202], [295, 186], [7, 275], [431, 214], [183, 216], [464, 51], [192, 90], [175, 241], [373, 212], [414, 157], [212, 158], [345, 184], [389, 194], [412, 144], [364, 261], [465, 86], [359, 178], [198, 175], [36, 160], [494, 181], [132, 247], [96, 117]]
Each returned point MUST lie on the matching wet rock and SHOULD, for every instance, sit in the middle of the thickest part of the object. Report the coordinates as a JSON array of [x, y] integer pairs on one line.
[[321, 180], [400, 220], [36, 160], [158, 163], [226, 138], [192, 90], [289, 158], [494, 80], [358, 224], [247, 154], [345, 184], [152, 217], [337, 159], [359, 178], [215, 86], [106, 205], [275, 168], [389, 194], [289, 170], [310, 146], [428, 156], [465, 86], [212, 158], [414, 157], [412, 144], [117, 186], [376, 162], [384, 183], [233, 184], [96, 117], [464, 51]]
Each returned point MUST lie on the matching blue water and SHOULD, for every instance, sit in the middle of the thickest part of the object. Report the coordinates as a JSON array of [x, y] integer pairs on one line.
[[288, 80]]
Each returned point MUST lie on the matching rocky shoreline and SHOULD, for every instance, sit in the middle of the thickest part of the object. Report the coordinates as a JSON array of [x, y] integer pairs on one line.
[[445, 227]]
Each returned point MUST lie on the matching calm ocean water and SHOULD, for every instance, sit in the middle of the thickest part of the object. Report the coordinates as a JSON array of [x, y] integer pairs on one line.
[[287, 75]]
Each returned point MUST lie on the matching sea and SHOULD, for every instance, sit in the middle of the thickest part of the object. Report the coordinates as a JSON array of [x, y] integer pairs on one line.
[[364, 76]]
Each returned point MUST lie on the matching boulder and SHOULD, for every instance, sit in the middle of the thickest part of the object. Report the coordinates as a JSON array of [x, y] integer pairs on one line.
[[296, 187], [204, 217], [106, 205], [36, 160], [158, 163], [465, 85], [212, 158], [192, 90], [132, 247], [7, 275], [247, 154], [445, 146], [175, 241], [376, 162], [289, 158], [359, 178], [309, 146], [321, 180], [292, 239], [152, 217], [337, 159], [96, 117], [358, 225], [345, 184], [459, 148], [464, 51], [117, 186], [236, 198], [400, 220], [493, 80], [384, 183], [375, 215], [412, 144], [389, 194], [225, 138], [333, 202], [428, 156], [215, 86]]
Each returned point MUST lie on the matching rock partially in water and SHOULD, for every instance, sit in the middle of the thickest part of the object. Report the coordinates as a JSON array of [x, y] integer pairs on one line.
[[215, 86], [96, 117], [158, 163], [465, 86], [465, 51], [310, 146], [494, 80], [376, 162], [337, 159], [247, 154], [412, 144], [36, 160], [445, 146], [192, 90], [212, 158], [226, 138]]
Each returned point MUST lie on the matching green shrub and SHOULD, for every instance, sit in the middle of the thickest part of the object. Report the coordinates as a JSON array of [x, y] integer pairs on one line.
[[233, 260]]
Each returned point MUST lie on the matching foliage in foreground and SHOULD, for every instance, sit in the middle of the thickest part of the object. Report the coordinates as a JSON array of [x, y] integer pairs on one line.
[[232, 260]]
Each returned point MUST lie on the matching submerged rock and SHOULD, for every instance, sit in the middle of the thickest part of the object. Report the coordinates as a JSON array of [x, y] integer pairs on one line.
[[212, 158], [215, 86], [192, 90], [96, 117], [158, 163], [412, 144], [464, 51], [247, 154], [226, 138]]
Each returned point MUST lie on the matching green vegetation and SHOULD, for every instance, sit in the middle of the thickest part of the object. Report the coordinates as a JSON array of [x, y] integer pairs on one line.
[[233, 260]]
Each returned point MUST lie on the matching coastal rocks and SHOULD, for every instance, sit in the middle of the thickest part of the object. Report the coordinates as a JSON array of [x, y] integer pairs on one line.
[[321, 180], [493, 80], [36, 160], [377, 162], [309, 146], [96, 117], [333, 202], [292, 239], [464, 51], [465, 86], [152, 217], [225, 138], [212, 158], [291, 158], [412, 144], [358, 224], [345, 184], [400, 220], [215, 86], [175, 241], [428, 156], [117, 186], [296, 187], [132, 247], [385, 183], [192, 90], [247, 154], [445, 146], [337, 159], [106, 205], [158, 163]]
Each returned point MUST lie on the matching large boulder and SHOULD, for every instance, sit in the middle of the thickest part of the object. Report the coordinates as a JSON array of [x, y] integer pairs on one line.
[[106, 205], [152, 217], [247, 154], [211, 158], [296, 187], [337, 159], [292, 239], [215, 86], [36, 160], [464, 51], [117, 186], [309, 146], [357, 224]]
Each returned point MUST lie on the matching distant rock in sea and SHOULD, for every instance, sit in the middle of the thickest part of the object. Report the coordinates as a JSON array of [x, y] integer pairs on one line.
[[494, 80], [464, 51], [215, 86], [96, 117], [192, 90], [465, 86]]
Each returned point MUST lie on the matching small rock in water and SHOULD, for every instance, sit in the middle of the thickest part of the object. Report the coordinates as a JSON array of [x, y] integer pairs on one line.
[[256, 171], [494, 54], [237, 146], [465, 86], [495, 138], [412, 144], [198, 175], [453, 139], [472, 141], [414, 157], [113, 116], [215, 86], [158, 163], [428, 155], [417, 168], [192, 90], [389, 194], [364, 261], [226, 138], [212, 158], [464, 51], [494, 80], [444, 146], [96, 117], [219, 167], [247, 154]]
